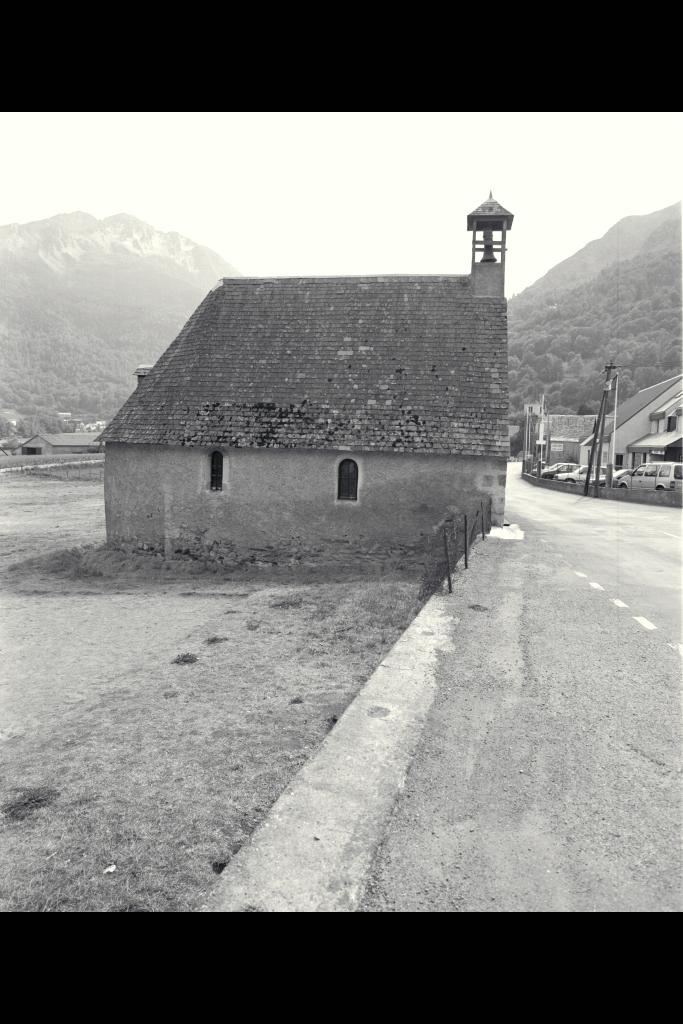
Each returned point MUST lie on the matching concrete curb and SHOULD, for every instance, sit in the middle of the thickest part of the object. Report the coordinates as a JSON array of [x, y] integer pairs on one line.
[[315, 847]]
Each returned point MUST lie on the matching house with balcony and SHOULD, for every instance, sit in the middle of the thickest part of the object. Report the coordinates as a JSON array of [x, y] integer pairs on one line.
[[649, 427]]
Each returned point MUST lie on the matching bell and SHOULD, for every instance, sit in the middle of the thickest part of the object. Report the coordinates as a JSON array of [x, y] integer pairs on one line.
[[488, 256]]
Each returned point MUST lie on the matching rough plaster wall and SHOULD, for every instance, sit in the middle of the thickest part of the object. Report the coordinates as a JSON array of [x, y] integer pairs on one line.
[[570, 452], [488, 279], [159, 495]]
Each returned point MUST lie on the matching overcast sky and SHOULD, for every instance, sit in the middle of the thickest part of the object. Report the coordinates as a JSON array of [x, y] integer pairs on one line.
[[347, 193]]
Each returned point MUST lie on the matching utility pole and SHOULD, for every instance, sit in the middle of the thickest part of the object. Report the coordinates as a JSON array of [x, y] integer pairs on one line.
[[601, 426], [596, 430], [613, 445], [540, 445], [529, 446]]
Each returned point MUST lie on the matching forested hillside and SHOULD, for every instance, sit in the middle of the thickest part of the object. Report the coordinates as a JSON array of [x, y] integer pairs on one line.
[[84, 301], [561, 336]]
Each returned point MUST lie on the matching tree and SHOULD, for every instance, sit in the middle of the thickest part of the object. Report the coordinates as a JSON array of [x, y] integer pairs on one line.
[[517, 440]]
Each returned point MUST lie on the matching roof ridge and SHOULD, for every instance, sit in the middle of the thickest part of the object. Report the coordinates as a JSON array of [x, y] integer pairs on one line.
[[659, 384], [375, 278]]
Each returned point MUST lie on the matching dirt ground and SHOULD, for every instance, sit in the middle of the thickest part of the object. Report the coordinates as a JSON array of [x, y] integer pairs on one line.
[[150, 718]]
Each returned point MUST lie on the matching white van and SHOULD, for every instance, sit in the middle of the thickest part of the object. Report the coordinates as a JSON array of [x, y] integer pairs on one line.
[[660, 476], [670, 476]]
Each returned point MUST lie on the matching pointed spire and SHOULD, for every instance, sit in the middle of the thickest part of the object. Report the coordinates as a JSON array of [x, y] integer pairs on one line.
[[489, 208]]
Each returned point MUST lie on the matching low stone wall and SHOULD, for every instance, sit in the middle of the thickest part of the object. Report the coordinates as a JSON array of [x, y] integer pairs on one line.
[[550, 485], [11, 463], [335, 554], [672, 499]]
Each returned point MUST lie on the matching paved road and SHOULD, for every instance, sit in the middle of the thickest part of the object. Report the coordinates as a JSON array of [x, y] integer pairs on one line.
[[633, 551], [548, 775]]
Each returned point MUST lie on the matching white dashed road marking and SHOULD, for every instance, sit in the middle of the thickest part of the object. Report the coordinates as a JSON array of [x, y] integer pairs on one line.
[[645, 623], [676, 647], [676, 536], [640, 619]]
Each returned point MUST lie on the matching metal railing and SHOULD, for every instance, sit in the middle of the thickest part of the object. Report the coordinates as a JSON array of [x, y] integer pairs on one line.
[[451, 544]]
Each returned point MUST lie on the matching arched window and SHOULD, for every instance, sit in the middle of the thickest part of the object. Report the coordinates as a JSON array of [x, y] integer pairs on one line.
[[216, 471], [347, 486]]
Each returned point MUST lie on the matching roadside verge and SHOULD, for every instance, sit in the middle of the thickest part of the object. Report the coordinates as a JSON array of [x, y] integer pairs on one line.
[[314, 849]]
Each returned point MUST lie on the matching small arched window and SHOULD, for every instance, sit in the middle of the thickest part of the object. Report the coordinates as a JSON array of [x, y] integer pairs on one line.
[[216, 471], [347, 485]]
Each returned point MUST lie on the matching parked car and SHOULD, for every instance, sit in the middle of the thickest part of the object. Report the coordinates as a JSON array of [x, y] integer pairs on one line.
[[620, 474], [660, 476], [578, 476], [560, 467]]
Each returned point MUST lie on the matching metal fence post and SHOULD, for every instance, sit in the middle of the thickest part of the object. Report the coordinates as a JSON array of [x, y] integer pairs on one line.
[[448, 561], [467, 544], [483, 523]]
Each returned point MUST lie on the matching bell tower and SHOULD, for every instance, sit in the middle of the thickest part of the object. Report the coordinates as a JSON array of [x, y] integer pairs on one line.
[[489, 224]]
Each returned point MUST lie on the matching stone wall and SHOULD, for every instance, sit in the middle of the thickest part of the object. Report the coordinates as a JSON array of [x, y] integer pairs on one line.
[[11, 463], [669, 498], [282, 504]]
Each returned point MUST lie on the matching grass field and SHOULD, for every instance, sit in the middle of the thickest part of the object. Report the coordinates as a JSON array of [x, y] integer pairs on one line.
[[150, 718]]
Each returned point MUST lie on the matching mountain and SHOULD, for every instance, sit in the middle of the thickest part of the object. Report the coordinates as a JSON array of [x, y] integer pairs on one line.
[[619, 296], [84, 301]]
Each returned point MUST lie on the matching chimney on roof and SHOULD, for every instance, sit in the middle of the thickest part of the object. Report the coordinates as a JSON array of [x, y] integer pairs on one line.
[[141, 372], [489, 224]]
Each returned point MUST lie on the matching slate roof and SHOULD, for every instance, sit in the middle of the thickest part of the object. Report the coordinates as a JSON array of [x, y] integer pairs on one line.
[[490, 208], [571, 426], [363, 363]]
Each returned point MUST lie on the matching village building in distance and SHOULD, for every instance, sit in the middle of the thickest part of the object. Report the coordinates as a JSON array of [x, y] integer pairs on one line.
[[565, 433], [649, 427], [328, 416], [61, 444]]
